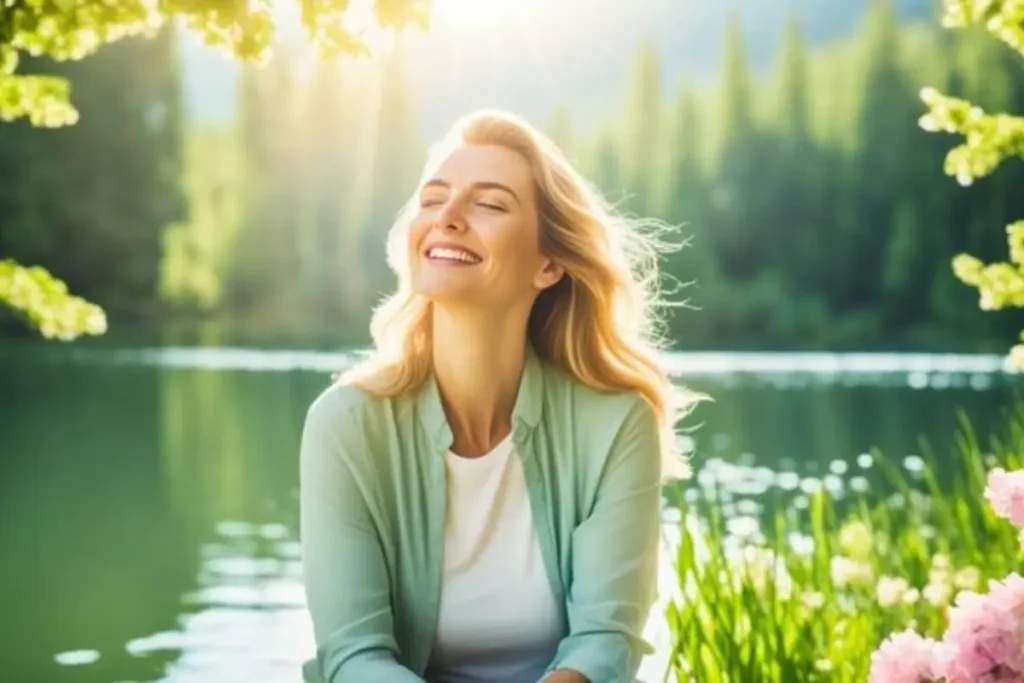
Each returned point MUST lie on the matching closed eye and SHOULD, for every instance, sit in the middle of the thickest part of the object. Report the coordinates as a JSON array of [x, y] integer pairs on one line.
[[492, 207]]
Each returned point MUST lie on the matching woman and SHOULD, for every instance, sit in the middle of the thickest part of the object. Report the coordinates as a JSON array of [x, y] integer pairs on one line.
[[480, 496]]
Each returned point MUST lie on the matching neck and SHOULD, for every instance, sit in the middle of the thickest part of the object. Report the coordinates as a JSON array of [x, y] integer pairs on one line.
[[478, 362]]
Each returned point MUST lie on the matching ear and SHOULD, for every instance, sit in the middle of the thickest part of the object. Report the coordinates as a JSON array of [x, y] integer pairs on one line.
[[549, 275]]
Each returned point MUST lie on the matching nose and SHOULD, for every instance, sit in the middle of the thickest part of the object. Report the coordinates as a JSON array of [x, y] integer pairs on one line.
[[451, 218]]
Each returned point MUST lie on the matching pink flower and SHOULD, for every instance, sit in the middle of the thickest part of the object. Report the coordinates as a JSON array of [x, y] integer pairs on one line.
[[905, 658], [1005, 493], [985, 639]]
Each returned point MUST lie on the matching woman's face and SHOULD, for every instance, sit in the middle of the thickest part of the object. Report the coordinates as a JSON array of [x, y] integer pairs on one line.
[[475, 239]]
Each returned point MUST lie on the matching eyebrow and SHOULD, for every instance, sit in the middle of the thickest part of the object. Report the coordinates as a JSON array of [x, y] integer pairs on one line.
[[480, 185]]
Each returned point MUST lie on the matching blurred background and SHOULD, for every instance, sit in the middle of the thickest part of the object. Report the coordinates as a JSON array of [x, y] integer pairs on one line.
[[230, 219]]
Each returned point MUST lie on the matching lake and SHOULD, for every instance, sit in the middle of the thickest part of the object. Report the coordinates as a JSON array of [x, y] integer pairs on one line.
[[148, 497]]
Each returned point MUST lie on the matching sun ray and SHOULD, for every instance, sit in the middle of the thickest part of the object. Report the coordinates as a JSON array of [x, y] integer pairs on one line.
[[467, 14]]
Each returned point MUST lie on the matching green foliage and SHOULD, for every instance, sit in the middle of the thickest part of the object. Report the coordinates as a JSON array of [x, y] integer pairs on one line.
[[44, 301], [1003, 18], [90, 202], [75, 29], [68, 30], [989, 139], [42, 99], [811, 595], [71, 30]]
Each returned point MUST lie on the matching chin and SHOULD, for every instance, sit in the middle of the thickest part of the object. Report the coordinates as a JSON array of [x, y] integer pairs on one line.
[[444, 292], [448, 297]]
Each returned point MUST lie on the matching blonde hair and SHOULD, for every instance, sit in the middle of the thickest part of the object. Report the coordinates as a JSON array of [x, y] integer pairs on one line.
[[597, 323]]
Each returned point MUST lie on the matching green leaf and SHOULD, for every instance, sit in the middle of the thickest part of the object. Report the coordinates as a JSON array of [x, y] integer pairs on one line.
[[45, 302]]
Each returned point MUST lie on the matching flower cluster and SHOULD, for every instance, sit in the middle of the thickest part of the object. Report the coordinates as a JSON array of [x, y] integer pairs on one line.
[[984, 642], [1005, 493]]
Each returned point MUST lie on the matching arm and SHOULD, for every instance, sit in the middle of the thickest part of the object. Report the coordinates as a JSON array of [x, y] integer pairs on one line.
[[615, 562], [346, 581]]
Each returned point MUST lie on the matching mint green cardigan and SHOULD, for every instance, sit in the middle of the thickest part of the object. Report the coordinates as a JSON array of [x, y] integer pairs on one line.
[[373, 497]]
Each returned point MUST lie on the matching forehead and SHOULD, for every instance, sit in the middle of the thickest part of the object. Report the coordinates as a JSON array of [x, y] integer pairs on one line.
[[486, 163]]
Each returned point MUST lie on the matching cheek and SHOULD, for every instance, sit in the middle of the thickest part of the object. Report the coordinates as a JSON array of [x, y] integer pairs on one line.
[[414, 236], [514, 252], [414, 233]]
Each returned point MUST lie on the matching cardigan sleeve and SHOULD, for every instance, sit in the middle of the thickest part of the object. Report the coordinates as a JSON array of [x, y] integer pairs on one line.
[[615, 559], [345, 577]]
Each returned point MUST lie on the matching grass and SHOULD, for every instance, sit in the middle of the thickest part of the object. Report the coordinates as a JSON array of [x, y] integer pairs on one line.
[[815, 595]]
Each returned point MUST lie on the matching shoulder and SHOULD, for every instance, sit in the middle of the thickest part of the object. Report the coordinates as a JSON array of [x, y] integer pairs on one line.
[[598, 426], [608, 438], [567, 398], [348, 417], [339, 403]]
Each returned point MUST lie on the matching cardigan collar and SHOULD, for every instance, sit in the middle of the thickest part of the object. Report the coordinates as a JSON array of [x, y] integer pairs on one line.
[[525, 414]]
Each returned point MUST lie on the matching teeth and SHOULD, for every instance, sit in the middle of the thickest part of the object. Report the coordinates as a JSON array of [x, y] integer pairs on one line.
[[452, 255]]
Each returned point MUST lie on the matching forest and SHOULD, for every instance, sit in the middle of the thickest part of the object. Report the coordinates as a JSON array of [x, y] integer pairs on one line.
[[810, 209]]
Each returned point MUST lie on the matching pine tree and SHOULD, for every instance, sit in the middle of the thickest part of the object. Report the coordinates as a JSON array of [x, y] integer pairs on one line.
[[692, 269], [793, 101], [888, 138], [686, 190], [795, 184], [642, 130], [737, 89], [737, 171]]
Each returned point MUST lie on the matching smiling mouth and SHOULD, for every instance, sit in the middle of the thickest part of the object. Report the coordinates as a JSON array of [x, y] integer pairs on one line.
[[449, 255]]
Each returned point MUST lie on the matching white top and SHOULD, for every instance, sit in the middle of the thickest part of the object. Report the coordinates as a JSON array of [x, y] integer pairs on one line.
[[499, 621]]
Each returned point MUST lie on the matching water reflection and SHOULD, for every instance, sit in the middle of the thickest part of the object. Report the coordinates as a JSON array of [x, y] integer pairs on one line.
[[246, 621], [148, 499], [92, 554]]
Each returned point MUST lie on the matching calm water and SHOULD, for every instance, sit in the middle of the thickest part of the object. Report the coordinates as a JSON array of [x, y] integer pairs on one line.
[[148, 499]]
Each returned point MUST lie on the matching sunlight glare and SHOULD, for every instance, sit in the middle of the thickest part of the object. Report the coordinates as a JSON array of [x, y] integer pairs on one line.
[[362, 22], [357, 18], [286, 15], [474, 13]]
